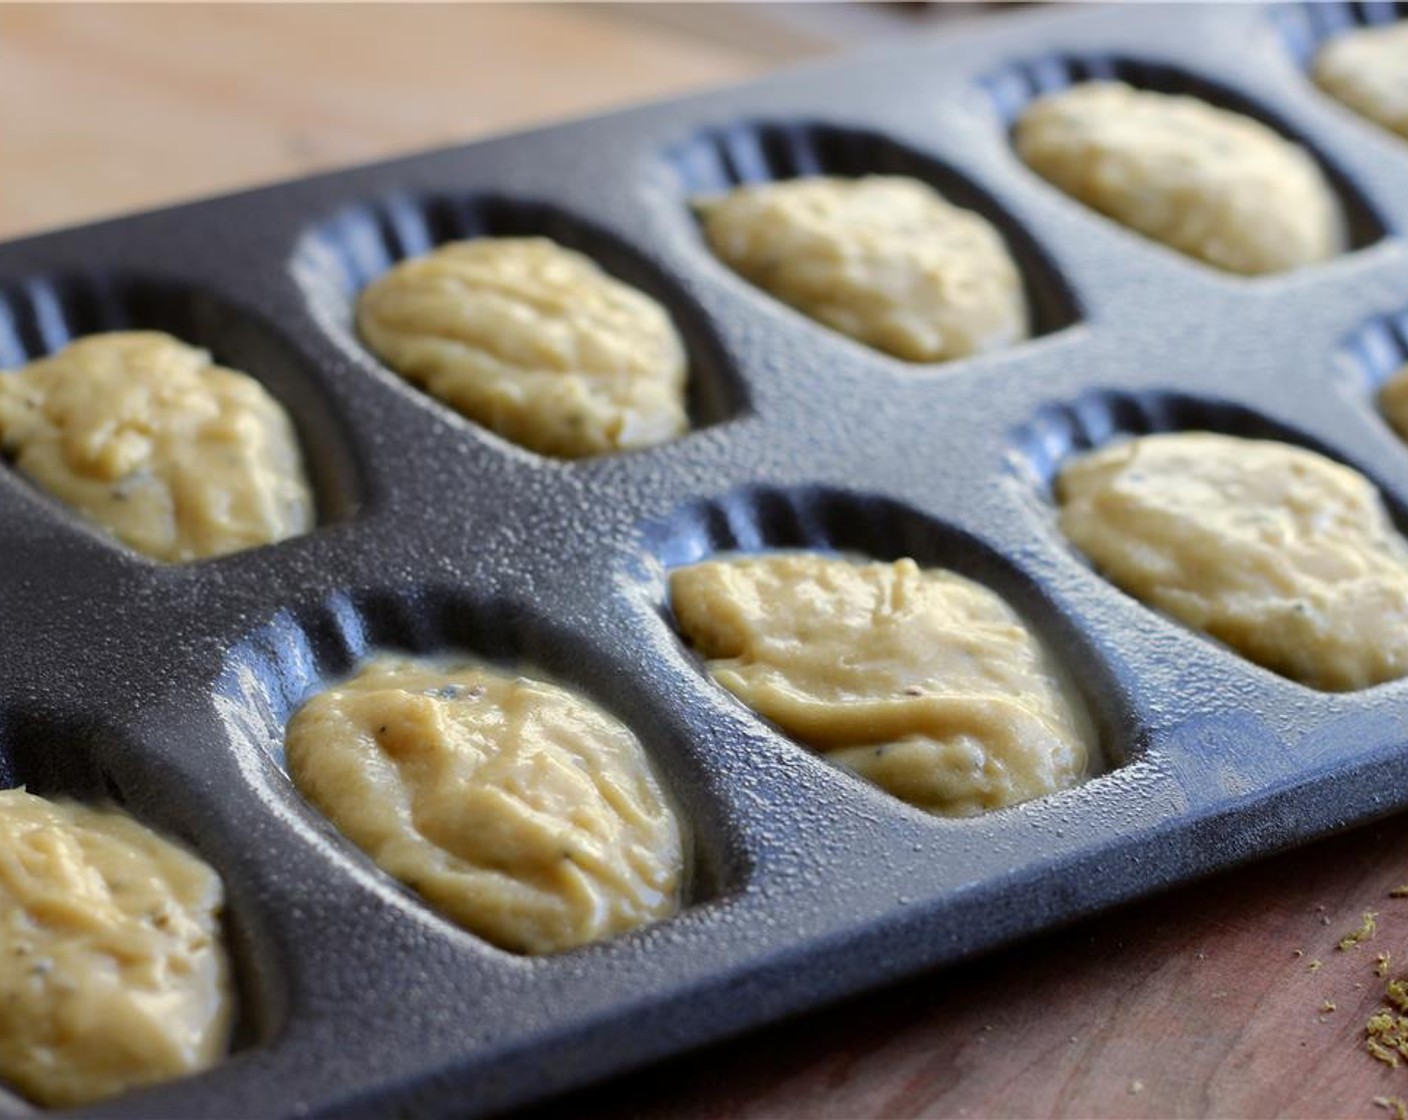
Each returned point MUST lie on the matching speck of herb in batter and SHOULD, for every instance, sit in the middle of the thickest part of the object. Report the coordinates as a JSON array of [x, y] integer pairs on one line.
[[1397, 1105], [1315, 966], [1399, 892], [381, 730], [1367, 928], [913, 690], [1381, 965]]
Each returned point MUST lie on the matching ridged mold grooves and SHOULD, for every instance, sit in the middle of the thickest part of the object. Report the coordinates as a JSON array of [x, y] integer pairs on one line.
[[1061, 430], [719, 159], [757, 519], [67, 757], [344, 253], [302, 651], [1376, 351], [1013, 87], [1379, 348], [1306, 27], [43, 314]]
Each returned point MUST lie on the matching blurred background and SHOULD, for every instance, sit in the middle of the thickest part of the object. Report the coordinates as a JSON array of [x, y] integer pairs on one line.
[[106, 109]]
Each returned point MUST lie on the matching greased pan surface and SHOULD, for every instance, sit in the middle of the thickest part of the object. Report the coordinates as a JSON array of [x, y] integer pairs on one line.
[[166, 688]]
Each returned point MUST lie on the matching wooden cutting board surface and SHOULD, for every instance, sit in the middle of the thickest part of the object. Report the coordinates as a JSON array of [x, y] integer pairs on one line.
[[107, 108], [1202, 1002]]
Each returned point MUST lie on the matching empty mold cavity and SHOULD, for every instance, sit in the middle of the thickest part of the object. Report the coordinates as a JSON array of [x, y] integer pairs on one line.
[[340, 256], [301, 652], [41, 316], [71, 757], [762, 519], [720, 159], [1015, 86], [1306, 28]]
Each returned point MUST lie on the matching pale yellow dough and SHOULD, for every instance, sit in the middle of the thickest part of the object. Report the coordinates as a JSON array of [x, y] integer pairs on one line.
[[177, 458], [1367, 69], [521, 811], [533, 341], [919, 680], [112, 972], [884, 259], [1393, 401], [1286, 556], [1213, 184]]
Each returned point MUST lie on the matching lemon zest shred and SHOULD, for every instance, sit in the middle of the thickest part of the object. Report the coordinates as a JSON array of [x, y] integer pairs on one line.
[[1367, 928]]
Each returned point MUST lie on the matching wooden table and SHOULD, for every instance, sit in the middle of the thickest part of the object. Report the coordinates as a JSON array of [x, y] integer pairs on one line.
[[1199, 1002]]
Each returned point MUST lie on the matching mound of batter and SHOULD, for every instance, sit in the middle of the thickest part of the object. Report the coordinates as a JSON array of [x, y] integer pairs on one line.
[[521, 811], [920, 681], [533, 341], [1286, 556], [177, 458], [1367, 69], [112, 973], [1210, 183], [884, 259]]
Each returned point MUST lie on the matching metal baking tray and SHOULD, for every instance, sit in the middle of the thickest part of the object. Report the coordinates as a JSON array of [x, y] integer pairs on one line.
[[165, 688]]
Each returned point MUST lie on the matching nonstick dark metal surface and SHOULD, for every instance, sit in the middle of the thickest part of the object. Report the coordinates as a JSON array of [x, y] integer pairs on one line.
[[166, 688]]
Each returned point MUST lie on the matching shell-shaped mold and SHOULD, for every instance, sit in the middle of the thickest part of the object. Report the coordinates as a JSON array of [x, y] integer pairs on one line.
[[88, 760], [762, 519], [342, 254], [43, 314], [301, 651], [719, 159], [1011, 88]]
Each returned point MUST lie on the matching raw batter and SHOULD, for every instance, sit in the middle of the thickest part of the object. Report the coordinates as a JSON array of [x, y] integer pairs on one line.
[[1367, 69], [1286, 556], [524, 813], [112, 973], [921, 681], [533, 341], [1213, 184], [177, 458], [884, 259], [1393, 401]]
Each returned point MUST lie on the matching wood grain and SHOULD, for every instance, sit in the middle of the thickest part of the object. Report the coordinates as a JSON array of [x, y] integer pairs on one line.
[[104, 109], [1192, 1004]]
